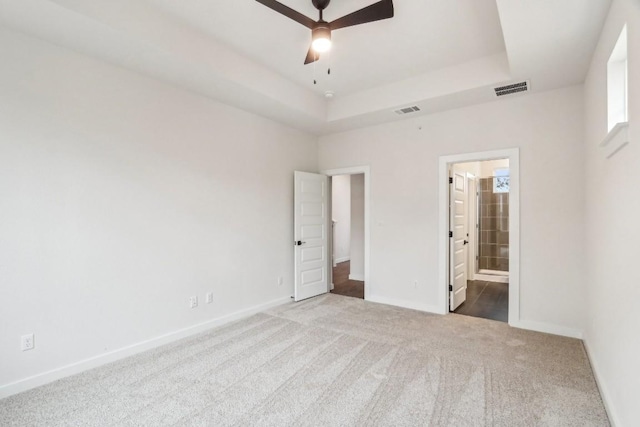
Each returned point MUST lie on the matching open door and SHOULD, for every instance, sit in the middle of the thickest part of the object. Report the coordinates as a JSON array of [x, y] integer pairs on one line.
[[310, 235], [458, 240]]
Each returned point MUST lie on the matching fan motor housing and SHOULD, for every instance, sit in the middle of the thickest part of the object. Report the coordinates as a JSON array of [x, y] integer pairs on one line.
[[320, 4], [321, 30]]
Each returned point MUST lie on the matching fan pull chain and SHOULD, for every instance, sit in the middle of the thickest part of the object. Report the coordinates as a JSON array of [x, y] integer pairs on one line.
[[330, 62], [314, 68]]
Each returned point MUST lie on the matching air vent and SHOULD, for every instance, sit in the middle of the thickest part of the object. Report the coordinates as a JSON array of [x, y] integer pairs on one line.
[[407, 110], [511, 89]]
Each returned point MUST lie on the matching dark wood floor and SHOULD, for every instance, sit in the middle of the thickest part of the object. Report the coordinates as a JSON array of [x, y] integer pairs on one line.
[[489, 300], [342, 284]]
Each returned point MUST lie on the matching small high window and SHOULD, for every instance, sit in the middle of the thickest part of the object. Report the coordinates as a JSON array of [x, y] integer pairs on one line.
[[501, 180], [617, 82]]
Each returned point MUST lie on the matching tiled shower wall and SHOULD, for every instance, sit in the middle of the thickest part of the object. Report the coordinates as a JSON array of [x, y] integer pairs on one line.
[[494, 227]]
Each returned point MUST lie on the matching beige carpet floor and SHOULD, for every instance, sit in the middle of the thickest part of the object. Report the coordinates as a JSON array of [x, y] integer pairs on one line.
[[332, 361]]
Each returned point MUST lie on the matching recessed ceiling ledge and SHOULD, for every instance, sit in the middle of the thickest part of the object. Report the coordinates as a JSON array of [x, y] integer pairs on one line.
[[440, 83]]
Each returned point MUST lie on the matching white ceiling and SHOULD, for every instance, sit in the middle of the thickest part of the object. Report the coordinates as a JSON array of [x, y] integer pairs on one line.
[[423, 36], [437, 54]]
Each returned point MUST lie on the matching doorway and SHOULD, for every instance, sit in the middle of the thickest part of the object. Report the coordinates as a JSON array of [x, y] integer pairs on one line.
[[365, 172], [479, 212], [347, 215]]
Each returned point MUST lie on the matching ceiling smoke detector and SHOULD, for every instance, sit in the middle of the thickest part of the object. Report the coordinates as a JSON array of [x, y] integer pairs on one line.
[[512, 88], [407, 110]]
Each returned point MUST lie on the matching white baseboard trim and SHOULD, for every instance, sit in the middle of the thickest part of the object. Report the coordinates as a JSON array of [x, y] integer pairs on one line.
[[343, 259], [413, 305], [121, 353], [358, 277], [491, 278], [604, 393], [547, 328]]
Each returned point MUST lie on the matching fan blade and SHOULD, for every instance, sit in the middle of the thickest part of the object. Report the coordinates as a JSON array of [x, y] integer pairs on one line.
[[312, 56], [376, 12], [289, 13]]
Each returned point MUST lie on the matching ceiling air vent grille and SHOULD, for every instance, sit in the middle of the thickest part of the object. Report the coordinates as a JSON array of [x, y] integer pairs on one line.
[[407, 110], [511, 89]]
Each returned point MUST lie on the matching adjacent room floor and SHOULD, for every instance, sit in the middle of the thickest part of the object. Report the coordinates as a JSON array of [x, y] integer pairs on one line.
[[331, 361], [343, 285], [489, 300]]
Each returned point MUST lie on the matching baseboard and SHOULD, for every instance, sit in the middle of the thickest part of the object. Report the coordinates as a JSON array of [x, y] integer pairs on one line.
[[413, 305], [343, 259], [358, 277], [121, 353], [613, 418], [547, 328]]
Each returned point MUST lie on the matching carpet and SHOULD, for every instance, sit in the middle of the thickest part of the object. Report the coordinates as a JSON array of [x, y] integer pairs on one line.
[[332, 361]]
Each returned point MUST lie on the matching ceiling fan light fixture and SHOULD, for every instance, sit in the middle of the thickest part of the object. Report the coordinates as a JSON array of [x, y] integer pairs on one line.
[[321, 29], [321, 39]]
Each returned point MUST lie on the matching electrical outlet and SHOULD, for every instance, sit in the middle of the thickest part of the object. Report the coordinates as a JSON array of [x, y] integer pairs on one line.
[[280, 281], [209, 297], [193, 302], [27, 342]]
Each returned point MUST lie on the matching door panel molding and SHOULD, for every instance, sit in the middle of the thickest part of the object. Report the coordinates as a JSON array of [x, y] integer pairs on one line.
[[311, 244]]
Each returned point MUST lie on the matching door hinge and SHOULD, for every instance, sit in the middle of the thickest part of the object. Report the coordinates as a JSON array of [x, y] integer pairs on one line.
[[450, 180], [451, 234], [450, 288]]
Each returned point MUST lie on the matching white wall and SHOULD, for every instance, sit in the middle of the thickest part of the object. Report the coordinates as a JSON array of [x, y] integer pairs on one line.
[[120, 197], [403, 156], [469, 167], [487, 169], [612, 229], [341, 212], [357, 227]]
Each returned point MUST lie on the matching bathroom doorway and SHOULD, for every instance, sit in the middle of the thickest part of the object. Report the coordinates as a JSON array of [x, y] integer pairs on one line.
[[479, 238]]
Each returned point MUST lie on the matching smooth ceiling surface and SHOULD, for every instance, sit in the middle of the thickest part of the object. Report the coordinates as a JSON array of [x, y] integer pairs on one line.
[[436, 54], [423, 36]]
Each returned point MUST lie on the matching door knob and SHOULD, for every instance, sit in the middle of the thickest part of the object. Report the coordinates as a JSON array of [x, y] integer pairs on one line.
[[299, 243], [465, 242]]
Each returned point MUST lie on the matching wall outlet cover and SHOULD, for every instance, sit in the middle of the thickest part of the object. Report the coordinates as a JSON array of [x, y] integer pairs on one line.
[[27, 342]]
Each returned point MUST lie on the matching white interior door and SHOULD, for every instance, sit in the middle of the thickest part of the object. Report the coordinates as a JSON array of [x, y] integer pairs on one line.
[[472, 225], [458, 240], [310, 235]]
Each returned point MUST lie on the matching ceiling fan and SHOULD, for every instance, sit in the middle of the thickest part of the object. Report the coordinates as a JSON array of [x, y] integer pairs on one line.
[[321, 30]]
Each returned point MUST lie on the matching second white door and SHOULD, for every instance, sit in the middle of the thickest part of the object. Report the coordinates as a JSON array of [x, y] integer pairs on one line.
[[458, 240], [310, 235]]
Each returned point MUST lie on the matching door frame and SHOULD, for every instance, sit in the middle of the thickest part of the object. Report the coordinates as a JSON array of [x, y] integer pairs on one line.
[[354, 170], [445, 163], [472, 222]]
